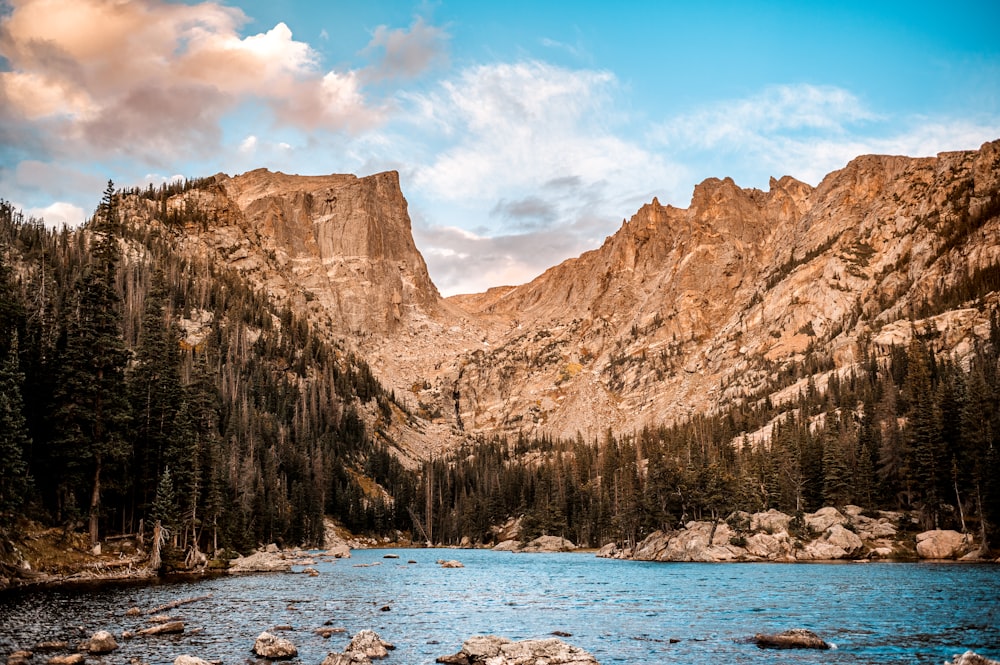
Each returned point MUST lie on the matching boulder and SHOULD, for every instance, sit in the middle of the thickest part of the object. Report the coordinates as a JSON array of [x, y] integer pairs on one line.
[[820, 550], [772, 547], [609, 551], [874, 529], [261, 562], [507, 546], [450, 564], [369, 643], [102, 642], [797, 638], [771, 521], [652, 547], [845, 539], [549, 544], [698, 541], [972, 658], [941, 544], [276, 648], [339, 551], [492, 650], [189, 660], [824, 518]]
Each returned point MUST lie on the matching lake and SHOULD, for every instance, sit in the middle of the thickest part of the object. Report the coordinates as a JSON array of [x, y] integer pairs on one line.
[[621, 611]]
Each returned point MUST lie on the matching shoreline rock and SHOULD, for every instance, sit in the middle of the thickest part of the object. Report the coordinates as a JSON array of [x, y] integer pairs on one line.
[[828, 534]]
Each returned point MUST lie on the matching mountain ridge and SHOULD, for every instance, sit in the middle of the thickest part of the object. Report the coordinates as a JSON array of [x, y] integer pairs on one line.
[[681, 311]]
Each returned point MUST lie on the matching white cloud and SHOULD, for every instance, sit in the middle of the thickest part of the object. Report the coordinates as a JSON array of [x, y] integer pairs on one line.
[[249, 145], [59, 214], [805, 131]]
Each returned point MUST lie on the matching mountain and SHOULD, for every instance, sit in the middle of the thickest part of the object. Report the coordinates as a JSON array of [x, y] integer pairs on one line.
[[687, 311], [742, 295]]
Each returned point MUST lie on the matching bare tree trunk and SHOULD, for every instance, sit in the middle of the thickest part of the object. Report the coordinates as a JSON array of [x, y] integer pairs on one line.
[[95, 503], [154, 558], [958, 500]]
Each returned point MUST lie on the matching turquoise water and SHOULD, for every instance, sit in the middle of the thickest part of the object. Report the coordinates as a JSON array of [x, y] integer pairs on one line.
[[621, 611]]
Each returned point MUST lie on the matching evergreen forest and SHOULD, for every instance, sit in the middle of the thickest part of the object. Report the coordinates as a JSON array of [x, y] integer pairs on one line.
[[244, 429]]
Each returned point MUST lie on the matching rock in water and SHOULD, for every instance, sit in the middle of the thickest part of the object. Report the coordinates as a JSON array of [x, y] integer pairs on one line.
[[350, 658], [451, 564], [275, 648], [189, 660], [493, 650], [72, 659], [168, 628], [370, 644], [102, 642], [798, 638]]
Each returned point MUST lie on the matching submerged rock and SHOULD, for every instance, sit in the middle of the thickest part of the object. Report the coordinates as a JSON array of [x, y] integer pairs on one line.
[[797, 638], [493, 650], [268, 646]]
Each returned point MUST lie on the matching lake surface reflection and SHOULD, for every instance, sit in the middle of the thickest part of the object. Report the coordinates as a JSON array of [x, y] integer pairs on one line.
[[621, 611]]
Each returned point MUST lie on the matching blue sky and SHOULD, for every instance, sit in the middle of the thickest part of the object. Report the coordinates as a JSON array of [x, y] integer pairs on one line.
[[523, 132]]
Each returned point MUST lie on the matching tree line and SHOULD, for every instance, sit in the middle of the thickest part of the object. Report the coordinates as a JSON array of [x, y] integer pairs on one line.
[[240, 428]]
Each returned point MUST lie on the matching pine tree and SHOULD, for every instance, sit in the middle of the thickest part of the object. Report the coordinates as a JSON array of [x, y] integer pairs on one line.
[[14, 439], [91, 408], [154, 393], [924, 440]]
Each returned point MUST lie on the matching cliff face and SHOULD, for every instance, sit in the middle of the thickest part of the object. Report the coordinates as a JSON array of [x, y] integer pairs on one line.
[[337, 246], [680, 312]]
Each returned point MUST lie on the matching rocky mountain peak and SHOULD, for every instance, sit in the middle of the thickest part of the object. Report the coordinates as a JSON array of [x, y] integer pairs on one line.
[[338, 246]]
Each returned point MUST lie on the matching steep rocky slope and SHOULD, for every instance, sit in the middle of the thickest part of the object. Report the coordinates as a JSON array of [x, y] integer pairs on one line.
[[683, 311], [743, 294]]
